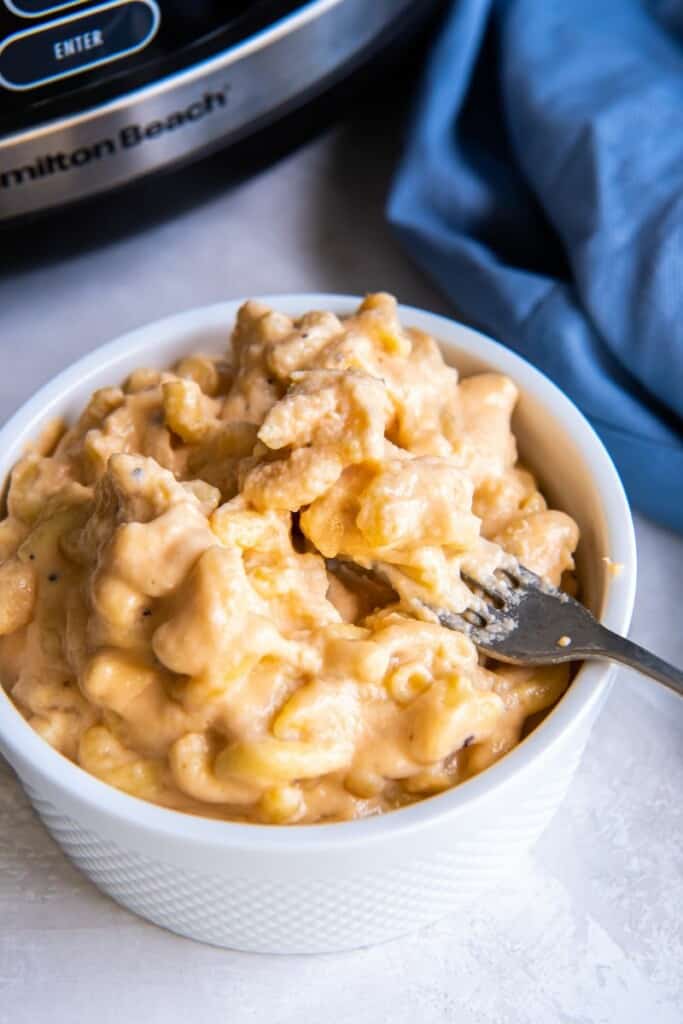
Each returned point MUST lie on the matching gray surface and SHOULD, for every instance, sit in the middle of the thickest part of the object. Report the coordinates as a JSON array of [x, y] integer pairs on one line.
[[590, 928]]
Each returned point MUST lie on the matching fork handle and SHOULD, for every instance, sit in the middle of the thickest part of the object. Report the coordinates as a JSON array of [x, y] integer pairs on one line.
[[618, 648]]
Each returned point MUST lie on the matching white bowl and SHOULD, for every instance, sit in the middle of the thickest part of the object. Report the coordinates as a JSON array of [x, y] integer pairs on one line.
[[319, 888]]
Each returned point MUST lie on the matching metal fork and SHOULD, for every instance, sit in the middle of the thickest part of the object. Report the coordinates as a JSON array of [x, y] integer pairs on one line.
[[519, 618]]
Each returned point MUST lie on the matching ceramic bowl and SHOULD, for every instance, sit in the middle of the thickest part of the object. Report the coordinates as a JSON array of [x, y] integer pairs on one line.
[[318, 888]]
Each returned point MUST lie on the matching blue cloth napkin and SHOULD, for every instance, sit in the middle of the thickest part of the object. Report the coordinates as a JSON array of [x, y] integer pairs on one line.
[[542, 188]]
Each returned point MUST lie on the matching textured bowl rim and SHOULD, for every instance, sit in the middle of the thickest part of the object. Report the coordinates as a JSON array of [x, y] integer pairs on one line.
[[22, 745]]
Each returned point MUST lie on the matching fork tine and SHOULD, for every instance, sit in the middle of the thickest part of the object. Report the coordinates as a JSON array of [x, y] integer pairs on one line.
[[451, 620], [494, 588], [487, 614], [481, 636], [523, 577]]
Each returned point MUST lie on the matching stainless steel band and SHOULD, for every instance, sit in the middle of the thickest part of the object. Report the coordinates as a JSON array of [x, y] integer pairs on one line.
[[187, 112]]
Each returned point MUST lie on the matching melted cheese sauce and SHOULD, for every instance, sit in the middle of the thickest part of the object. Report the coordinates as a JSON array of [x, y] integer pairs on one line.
[[167, 620]]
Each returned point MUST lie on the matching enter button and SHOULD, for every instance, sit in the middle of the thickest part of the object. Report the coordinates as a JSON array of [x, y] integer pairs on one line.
[[78, 43]]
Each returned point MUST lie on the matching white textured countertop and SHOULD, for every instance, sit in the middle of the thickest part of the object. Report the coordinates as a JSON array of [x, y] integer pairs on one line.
[[591, 928]]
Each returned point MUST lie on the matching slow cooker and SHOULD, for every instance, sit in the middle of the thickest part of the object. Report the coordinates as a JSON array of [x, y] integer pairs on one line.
[[94, 95]]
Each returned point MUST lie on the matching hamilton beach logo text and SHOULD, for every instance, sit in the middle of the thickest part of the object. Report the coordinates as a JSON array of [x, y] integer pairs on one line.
[[127, 138]]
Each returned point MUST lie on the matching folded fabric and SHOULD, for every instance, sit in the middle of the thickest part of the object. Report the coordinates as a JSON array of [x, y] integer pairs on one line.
[[542, 188]]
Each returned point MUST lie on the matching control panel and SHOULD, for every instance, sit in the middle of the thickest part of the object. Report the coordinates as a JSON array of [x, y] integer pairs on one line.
[[73, 43], [62, 56]]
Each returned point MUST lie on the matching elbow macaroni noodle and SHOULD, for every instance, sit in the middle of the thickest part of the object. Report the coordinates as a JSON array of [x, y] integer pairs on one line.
[[167, 620]]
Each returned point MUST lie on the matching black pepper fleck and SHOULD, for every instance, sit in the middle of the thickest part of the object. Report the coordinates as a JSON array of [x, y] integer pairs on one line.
[[304, 336], [468, 741], [137, 473], [32, 557], [53, 577], [146, 611]]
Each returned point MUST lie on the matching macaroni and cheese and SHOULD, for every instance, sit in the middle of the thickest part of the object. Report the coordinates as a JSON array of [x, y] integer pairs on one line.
[[169, 615]]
